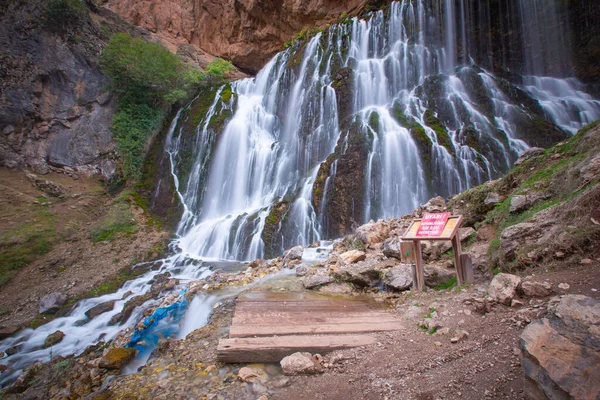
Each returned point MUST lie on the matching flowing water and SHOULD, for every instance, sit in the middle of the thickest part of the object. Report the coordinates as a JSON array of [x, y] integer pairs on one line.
[[431, 113]]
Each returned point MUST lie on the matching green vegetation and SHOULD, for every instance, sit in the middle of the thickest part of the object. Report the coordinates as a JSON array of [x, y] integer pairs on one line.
[[430, 313], [149, 80], [446, 285], [304, 35], [59, 14], [27, 241], [442, 134], [118, 220]]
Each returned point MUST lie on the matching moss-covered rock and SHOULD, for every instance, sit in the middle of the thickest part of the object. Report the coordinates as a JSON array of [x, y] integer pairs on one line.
[[443, 138], [54, 338], [117, 357], [271, 234]]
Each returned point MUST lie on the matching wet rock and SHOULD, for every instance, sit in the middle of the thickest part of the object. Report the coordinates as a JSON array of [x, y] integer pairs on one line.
[[504, 287], [295, 253], [301, 270], [50, 304], [392, 248], [13, 350], [319, 278], [300, 364], [561, 353], [134, 302], [373, 232], [435, 275], [53, 339], [536, 289], [529, 153], [116, 358], [351, 257], [8, 331], [337, 288], [100, 309], [249, 375], [400, 277]]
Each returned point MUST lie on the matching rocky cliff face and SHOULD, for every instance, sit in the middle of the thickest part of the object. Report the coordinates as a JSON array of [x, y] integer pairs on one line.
[[55, 108], [247, 32]]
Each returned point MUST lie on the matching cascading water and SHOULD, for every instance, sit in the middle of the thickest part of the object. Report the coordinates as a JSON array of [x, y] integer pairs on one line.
[[367, 119]]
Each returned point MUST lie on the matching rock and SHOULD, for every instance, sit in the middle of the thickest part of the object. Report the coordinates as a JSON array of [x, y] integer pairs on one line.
[[46, 186], [391, 247], [492, 199], [301, 270], [53, 339], [337, 288], [536, 289], [300, 363], [435, 275], [504, 287], [434, 249], [518, 203], [561, 353], [319, 278], [351, 257], [585, 261], [460, 334], [434, 205], [8, 331], [50, 304], [364, 273], [249, 375], [400, 277], [515, 303], [13, 350], [373, 232], [295, 253], [529, 153], [117, 357], [100, 309], [564, 286]]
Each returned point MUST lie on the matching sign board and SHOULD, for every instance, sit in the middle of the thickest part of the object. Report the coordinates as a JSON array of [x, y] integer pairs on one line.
[[449, 230], [432, 224]]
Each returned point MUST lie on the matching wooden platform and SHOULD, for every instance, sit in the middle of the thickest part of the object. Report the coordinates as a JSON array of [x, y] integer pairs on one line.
[[268, 327]]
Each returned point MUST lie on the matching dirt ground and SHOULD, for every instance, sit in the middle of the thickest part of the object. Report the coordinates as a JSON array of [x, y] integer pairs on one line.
[[69, 261]]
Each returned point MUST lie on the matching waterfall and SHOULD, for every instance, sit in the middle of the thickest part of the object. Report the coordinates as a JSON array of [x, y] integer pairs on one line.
[[428, 119]]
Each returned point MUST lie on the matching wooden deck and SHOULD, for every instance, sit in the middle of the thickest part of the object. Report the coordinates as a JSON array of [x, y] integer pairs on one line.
[[268, 327]]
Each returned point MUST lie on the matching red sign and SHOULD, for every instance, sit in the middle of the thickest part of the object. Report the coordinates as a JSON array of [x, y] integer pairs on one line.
[[432, 224]]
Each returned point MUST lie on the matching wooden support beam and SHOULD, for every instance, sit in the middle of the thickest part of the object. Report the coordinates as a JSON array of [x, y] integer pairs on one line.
[[467, 268], [457, 263], [273, 349], [419, 275]]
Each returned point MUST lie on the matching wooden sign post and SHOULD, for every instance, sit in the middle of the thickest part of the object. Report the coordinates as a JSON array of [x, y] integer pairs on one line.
[[437, 226]]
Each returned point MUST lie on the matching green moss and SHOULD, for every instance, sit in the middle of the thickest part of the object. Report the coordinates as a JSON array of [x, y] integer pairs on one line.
[[446, 285], [227, 93], [118, 219], [442, 134]]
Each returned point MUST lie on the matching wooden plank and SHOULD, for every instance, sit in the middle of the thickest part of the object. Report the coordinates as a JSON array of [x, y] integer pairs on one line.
[[273, 349], [244, 316], [323, 329], [419, 275], [450, 229], [316, 319], [467, 268], [457, 264]]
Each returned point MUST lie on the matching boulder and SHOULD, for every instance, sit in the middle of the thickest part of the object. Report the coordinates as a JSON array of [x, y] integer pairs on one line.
[[117, 357], [504, 287], [295, 253], [434, 205], [8, 331], [249, 375], [434, 249], [53, 339], [536, 289], [351, 257], [560, 355], [46, 186], [300, 364], [50, 304], [317, 279], [400, 277], [436, 275], [391, 247], [373, 232], [100, 309], [491, 200], [364, 273], [301, 270], [529, 153], [518, 203]]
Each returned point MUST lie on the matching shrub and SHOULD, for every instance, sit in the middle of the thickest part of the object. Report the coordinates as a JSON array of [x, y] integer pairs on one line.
[[149, 80]]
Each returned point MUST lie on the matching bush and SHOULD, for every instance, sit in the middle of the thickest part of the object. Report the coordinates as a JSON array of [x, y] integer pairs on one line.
[[149, 80], [59, 14]]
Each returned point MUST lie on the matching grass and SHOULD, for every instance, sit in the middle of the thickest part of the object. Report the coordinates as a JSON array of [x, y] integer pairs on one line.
[[446, 285], [118, 220], [431, 311]]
